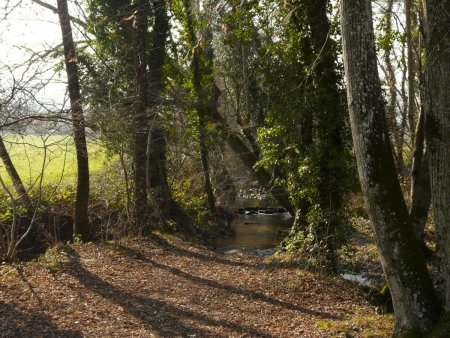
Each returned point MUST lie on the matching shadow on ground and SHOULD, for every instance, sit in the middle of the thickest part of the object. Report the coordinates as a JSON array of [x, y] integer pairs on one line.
[[156, 315], [168, 320], [15, 322]]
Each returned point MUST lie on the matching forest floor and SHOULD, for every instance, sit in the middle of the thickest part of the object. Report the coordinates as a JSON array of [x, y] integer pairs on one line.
[[166, 287]]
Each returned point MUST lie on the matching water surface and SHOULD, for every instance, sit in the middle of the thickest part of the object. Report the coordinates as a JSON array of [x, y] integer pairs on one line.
[[257, 231]]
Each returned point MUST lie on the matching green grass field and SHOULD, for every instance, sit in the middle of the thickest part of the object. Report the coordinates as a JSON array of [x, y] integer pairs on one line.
[[28, 154]]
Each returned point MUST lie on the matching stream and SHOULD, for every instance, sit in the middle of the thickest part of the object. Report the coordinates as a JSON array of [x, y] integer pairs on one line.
[[255, 233]]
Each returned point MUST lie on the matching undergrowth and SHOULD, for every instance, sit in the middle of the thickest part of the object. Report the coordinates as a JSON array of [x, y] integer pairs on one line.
[[56, 258]]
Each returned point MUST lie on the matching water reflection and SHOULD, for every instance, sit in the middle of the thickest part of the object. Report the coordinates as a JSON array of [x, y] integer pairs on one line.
[[258, 231]]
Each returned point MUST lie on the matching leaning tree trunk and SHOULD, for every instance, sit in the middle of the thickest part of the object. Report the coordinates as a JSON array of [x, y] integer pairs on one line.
[[248, 156], [249, 159], [81, 221], [14, 175], [415, 304], [140, 27], [437, 122]]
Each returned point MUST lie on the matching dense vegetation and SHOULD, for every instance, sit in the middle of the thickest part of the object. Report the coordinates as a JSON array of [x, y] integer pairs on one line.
[[171, 104]]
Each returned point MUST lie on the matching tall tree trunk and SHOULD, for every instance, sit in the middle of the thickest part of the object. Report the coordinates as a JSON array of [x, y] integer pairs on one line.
[[437, 122], [201, 97], [157, 147], [400, 137], [331, 121], [415, 304], [390, 77], [140, 26], [205, 163], [420, 183], [81, 220], [158, 184], [411, 70], [15, 178], [321, 127]]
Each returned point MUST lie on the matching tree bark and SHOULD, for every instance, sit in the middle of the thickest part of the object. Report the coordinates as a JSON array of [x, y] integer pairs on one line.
[[400, 136], [15, 178], [81, 221], [411, 71], [140, 26], [331, 121], [437, 122], [200, 104], [420, 183], [390, 77], [157, 183], [415, 304]]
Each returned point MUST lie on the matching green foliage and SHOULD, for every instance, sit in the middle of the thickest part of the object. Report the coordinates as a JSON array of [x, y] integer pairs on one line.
[[386, 36], [6, 213], [58, 188], [112, 64], [171, 225], [304, 138], [311, 239], [77, 239], [192, 199]]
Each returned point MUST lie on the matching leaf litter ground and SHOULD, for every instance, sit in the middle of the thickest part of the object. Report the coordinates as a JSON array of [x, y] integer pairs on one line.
[[159, 288]]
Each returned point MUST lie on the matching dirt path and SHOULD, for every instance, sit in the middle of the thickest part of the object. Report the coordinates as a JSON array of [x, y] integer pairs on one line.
[[152, 288]]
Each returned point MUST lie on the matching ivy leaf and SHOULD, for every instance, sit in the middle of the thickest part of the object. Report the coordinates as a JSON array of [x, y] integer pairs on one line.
[[288, 17]]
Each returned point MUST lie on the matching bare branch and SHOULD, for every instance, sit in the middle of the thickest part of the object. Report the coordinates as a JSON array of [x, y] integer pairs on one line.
[[55, 10]]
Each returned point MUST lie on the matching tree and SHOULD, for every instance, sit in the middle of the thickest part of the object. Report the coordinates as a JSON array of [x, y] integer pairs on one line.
[[385, 42], [411, 69], [437, 124], [302, 126], [420, 183], [200, 94], [416, 306], [81, 220], [157, 181], [237, 60], [140, 28], [329, 114], [14, 175], [6, 159], [134, 82]]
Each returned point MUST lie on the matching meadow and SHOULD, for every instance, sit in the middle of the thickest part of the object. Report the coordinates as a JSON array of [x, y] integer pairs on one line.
[[52, 155]]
